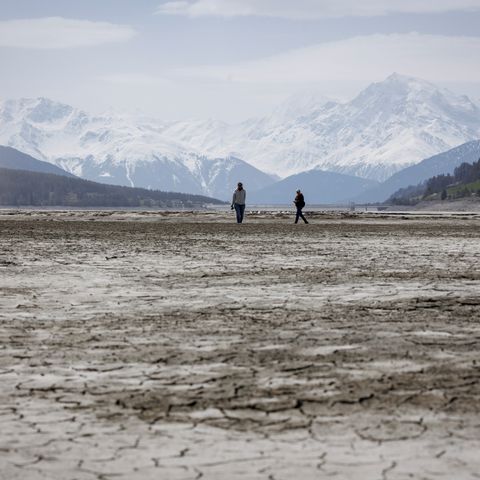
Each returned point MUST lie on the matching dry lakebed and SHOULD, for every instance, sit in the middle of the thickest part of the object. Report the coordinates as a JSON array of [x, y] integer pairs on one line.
[[179, 345]]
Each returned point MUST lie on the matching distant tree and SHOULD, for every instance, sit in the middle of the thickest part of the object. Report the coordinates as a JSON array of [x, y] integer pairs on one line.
[[463, 173], [467, 173], [444, 194], [437, 184]]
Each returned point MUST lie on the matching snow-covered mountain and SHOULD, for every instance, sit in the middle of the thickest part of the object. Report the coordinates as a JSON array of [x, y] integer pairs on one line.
[[442, 163], [388, 126], [119, 150]]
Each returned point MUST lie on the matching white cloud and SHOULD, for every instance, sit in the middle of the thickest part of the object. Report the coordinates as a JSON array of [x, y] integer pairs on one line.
[[359, 59], [311, 9], [60, 33], [137, 79]]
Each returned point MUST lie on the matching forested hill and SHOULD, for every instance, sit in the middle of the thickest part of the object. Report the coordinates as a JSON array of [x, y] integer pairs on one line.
[[21, 187], [465, 182]]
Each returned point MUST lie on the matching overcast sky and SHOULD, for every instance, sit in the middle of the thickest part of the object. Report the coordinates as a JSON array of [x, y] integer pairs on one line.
[[229, 59]]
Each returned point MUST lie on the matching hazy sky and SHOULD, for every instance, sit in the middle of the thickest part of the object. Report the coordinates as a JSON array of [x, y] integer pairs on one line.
[[229, 59]]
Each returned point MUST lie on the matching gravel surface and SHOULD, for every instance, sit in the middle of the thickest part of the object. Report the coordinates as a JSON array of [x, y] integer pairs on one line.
[[183, 346]]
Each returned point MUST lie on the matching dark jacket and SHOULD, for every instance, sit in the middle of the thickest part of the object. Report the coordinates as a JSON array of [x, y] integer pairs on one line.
[[299, 201]]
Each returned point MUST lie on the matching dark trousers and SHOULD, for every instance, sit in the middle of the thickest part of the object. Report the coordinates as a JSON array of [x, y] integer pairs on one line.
[[300, 215], [239, 210]]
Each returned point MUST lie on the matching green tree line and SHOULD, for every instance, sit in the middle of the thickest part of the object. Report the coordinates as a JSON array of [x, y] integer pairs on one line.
[[21, 187], [463, 183]]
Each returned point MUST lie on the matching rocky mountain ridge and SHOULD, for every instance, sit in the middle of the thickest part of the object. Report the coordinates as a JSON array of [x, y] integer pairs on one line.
[[389, 126]]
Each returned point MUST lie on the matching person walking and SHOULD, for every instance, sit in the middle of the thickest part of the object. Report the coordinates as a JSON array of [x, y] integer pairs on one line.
[[299, 203], [238, 201]]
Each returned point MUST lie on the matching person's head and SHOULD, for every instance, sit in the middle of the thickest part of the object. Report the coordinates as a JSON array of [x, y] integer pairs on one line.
[[240, 185], [298, 191]]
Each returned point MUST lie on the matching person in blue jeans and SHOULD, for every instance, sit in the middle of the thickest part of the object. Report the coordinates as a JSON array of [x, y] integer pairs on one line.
[[299, 203], [238, 201]]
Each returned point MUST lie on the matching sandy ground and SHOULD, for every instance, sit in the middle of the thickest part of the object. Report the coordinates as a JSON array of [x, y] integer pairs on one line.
[[182, 346]]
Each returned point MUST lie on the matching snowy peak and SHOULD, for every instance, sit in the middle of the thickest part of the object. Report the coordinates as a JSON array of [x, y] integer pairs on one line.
[[399, 81], [36, 110], [402, 85], [122, 149], [399, 89], [388, 126]]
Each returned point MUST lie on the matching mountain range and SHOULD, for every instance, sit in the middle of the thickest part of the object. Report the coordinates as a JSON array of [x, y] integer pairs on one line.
[[27, 181], [117, 150], [389, 126], [319, 187], [443, 163]]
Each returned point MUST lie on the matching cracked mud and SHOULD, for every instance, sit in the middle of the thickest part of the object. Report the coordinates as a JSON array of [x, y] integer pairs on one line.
[[182, 346]]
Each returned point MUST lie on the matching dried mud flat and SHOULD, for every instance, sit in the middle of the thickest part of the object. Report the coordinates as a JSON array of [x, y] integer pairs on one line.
[[182, 346]]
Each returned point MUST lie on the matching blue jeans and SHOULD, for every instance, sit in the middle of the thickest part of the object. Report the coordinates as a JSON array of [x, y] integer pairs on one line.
[[239, 210], [300, 215]]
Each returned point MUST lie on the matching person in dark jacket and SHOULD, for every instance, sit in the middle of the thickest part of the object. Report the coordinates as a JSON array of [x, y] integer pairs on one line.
[[238, 202], [299, 203]]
